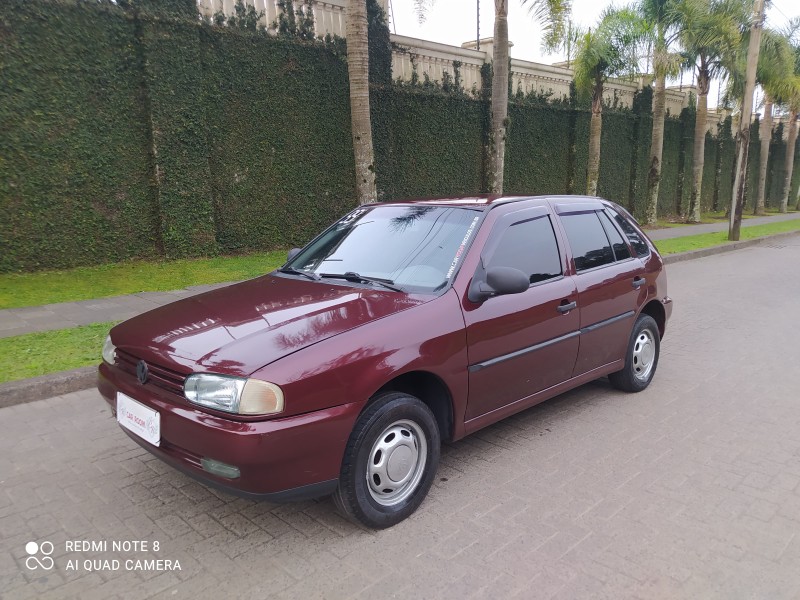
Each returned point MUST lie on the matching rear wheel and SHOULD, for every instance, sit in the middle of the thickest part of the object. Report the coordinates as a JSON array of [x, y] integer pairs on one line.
[[641, 358], [389, 462]]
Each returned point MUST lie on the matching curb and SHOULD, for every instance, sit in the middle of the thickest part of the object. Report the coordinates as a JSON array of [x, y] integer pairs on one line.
[[55, 384], [728, 247], [46, 386]]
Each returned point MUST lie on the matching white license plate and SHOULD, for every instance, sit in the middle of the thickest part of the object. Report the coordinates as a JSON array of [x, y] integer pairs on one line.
[[141, 420]]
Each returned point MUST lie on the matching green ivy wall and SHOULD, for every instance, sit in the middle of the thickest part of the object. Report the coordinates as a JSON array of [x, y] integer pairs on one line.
[[133, 130]]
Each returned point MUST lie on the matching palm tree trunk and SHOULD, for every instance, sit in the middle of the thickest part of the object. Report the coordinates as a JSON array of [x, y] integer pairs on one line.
[[656, 148], [766, 135], [789, 164], [595, 132], [497, 141], [358, 73], [698, 160]]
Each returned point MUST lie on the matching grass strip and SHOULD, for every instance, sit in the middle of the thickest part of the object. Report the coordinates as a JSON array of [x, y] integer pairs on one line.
[[34, 354], [88, 283], [40, 353], [707, 240]]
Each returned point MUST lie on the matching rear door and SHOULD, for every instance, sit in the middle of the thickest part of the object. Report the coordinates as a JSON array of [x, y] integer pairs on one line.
[[610, 282], [520, 344]]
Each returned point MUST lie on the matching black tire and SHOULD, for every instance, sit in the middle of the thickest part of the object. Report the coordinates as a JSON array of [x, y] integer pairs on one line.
[[391, 427], [637, 373]]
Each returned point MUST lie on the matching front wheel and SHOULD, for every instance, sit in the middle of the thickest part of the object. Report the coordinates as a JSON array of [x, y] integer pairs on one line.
[[389, 462], [641, 358]]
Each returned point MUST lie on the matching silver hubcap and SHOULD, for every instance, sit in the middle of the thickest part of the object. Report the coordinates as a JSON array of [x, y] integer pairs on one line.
[[396, 463], [644, 355]]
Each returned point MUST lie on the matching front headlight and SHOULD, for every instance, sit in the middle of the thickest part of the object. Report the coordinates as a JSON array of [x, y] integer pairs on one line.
[[233, 394], [109, 351]]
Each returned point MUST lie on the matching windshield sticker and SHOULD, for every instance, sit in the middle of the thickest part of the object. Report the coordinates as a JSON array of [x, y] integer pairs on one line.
[[348, 219], [461, 247]]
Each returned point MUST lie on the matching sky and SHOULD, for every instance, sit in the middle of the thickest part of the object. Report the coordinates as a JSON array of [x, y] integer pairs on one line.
[[454, 22]]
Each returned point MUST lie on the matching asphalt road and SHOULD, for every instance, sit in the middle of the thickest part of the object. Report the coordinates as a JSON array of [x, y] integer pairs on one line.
[[690, 489]]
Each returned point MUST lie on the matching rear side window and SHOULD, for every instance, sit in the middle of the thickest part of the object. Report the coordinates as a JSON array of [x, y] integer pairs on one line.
[[640, 246], [531, 247], [621, 250], [588, 240]]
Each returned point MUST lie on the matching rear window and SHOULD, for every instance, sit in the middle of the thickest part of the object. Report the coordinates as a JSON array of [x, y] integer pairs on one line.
[[638, 243], [621, 250], [588, 240]]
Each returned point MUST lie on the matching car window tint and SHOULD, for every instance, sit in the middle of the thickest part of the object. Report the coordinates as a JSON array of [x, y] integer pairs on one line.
[[621, 250], [588, 240], [634, 237], [531, 247]]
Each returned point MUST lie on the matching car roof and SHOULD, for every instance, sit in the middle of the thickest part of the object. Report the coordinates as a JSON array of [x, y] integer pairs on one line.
[[488, 200]]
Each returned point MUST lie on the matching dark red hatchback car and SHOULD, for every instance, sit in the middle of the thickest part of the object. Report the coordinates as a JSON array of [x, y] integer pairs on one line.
[[401, 325]]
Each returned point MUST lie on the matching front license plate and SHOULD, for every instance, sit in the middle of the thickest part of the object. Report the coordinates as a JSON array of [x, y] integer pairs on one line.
[[141, 420]]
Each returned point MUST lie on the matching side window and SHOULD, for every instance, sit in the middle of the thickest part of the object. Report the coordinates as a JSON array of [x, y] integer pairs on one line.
[[639, 245], [531, 247], [588, 240], [621, 250]]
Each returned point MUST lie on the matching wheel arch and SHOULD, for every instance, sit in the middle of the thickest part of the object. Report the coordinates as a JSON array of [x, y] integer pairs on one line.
[[429, 388], [655, 309]]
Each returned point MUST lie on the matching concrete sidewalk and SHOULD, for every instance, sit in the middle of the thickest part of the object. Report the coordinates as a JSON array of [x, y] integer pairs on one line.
[[18, 321], [675, 232]]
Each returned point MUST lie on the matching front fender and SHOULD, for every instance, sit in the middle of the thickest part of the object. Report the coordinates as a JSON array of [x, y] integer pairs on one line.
[[352, 366]]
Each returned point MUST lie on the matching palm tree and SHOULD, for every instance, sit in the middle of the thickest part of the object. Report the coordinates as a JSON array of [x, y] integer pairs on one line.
[[661, 19], [792, 30], [790, 145], [357, 27], [551, 14], [788, 95], [775, 65], [358, 74], [709, 32], [608, 51]]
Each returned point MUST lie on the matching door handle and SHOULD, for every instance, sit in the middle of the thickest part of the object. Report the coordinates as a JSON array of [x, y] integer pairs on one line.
[[565, 308], [638, 282]]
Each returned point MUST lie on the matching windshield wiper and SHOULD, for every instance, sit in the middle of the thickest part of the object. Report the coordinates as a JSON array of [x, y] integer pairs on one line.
[[356, 278], [293, 271]]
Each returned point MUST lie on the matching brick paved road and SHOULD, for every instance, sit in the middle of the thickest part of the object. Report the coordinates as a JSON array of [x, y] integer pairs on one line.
[[688, 490]]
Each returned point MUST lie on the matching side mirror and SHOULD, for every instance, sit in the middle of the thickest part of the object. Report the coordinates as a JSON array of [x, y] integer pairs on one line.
[[499, 282], [292, 253]]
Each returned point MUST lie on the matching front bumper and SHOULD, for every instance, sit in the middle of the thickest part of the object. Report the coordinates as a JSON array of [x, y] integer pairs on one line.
[[280, 459]]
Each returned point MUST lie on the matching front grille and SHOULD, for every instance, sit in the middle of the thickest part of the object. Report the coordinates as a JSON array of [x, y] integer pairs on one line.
[[159, 376]]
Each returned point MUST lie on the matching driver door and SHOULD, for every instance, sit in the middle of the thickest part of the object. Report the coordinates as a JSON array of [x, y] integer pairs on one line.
[[520, 344]]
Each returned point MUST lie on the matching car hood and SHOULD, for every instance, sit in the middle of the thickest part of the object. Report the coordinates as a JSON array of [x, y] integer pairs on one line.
[[240, 328]]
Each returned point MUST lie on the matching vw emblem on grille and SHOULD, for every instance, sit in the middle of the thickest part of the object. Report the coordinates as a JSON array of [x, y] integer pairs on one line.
[[142, 372]]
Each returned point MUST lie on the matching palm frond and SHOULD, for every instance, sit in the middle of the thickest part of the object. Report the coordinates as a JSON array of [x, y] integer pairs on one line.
[[553, 17], [610, 50], [710, 33], [787, 93], [421, 8]]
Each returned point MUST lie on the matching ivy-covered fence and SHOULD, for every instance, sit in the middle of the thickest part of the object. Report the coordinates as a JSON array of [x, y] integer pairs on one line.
[[134, 130], [131, 129]]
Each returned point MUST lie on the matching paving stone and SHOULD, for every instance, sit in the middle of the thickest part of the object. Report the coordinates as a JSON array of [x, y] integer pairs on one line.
[[690, 489]]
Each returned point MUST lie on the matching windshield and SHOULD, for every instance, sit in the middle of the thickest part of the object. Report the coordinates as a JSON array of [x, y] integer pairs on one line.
[[417, 248]]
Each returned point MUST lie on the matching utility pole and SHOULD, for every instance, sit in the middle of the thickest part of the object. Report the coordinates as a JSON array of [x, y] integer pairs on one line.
[[743, 135], [478, 26]]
